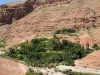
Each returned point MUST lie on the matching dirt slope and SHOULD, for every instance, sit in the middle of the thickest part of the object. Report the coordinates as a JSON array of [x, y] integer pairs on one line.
[[91, 60], [10, 67]]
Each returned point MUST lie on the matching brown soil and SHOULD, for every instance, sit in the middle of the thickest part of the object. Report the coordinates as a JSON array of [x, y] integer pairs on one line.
[[92, 60], [10, 67]]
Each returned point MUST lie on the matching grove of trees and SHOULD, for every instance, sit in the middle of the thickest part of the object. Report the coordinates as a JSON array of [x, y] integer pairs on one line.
[[45, 52]]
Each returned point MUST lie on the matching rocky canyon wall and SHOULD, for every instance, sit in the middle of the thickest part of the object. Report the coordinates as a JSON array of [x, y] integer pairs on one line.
[[9, 14], [37, 22]]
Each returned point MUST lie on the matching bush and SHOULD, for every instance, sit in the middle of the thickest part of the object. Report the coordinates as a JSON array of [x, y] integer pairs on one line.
[[67, 72], [79, 73], [95, 46], [31, 72], [2, 45], [57, 32], [40, 73], [65, 31]]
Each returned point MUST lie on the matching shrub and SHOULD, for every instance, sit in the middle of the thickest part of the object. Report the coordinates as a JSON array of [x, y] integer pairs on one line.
[[65, 31], [67, 72], [40, 73], [57, 32], [2, 45], [31, 72], [95, 46]]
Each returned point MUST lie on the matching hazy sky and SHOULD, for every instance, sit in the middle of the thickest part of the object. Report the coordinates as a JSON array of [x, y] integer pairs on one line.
[[5, 1]]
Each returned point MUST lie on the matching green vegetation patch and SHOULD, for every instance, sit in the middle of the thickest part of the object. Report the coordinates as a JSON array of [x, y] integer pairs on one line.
[[31, 72], [65, 31], [70, 72], [43, 52], [2, 43]]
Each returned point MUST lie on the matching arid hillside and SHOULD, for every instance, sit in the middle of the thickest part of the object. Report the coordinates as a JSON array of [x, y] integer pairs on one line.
[[46, 18], [12, 12]]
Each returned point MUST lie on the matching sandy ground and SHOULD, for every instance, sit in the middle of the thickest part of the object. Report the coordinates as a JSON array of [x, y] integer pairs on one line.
[[54, 71]]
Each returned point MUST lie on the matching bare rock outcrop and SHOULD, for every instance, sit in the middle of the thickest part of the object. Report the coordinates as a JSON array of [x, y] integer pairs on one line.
[[86, 41], [9, 14]]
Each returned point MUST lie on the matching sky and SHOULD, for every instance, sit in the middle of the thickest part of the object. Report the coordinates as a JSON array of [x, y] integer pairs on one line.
[[5, 1]]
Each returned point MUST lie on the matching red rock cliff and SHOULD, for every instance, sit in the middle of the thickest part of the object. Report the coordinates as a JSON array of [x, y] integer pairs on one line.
[[9, 14]]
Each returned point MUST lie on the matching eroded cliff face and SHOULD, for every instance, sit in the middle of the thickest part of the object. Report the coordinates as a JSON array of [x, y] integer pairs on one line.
[[34, 24], [50, 15], [9, 14]]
